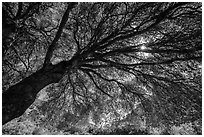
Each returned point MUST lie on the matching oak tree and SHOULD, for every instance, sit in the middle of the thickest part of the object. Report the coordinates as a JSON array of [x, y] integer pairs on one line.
[[142, 52]]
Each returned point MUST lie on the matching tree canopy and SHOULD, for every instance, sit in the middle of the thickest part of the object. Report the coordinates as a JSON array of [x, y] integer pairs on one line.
[[106, 57]]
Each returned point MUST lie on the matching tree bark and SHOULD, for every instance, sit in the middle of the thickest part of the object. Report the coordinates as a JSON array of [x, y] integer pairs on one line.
[[21, 95]]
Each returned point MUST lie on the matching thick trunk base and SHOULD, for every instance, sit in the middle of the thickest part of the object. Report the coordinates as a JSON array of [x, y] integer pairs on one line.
[[20, 96]]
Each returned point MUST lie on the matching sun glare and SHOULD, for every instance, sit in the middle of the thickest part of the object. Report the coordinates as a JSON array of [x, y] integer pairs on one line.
[[143, 47]]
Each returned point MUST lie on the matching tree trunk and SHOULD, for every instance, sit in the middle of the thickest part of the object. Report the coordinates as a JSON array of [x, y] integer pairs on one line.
[[20, 96]]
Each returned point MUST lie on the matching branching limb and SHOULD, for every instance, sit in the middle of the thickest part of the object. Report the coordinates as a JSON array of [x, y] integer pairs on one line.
[[52, 47], [16, 52], [111, 80], [10, 65], [97, 86]]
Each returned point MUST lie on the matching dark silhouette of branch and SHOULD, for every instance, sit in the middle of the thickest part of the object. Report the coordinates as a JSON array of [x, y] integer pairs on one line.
[[156, 46], [97, 86], [19, 12], [58, 34]]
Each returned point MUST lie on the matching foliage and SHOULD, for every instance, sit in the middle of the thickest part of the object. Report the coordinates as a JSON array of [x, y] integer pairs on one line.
[[183, 129], [138, 61]]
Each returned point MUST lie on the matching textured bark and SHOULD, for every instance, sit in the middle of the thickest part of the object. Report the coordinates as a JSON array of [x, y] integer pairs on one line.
[[20, 96]]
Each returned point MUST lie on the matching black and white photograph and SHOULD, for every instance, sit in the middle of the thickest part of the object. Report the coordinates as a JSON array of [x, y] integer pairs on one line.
[[101, 68]]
